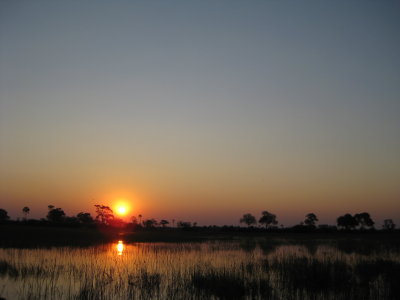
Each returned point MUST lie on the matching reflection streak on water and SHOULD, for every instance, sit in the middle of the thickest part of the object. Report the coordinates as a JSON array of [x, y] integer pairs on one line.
[[120, 247]]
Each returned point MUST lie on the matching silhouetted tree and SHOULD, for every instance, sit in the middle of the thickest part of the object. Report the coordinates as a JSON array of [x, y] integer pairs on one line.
[[3, 215], [268, 219], [347, 222], [311, 219], [150, 223], [105, 215], [134, 220], [388, 224], [85, 218], [364, 220], [248, 219], [55, 215], [182, 224], [71, 220], [26, 211], [140, 219], [164, 223], [117, 222]]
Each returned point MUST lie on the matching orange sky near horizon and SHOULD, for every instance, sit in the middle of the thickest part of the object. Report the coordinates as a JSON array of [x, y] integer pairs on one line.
[[207, 203]]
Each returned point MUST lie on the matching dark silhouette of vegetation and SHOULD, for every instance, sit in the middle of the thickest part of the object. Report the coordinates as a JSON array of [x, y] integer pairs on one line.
[[105, 215], [364, 220], [146, 282], [85, 218], [219, 284], [248, 219], [361, 220], [164, 223], [150, 223], [388, 224], [134, 221], [55, 215], [184, 224], [268, 219], [248, 244], [3, 215], [105, 219], [25, 211], [275, 275], [311, 220], [369, 272], [314, 275], [347, 222]]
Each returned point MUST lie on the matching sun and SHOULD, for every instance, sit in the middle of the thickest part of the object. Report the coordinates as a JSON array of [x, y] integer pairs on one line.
[[121, 210], [122, 207]]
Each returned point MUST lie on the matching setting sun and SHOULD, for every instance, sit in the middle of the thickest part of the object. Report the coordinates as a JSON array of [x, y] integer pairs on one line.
[[122, 207], [121, 210]]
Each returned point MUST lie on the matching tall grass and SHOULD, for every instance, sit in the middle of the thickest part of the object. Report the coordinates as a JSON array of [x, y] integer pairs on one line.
[[212, 270]]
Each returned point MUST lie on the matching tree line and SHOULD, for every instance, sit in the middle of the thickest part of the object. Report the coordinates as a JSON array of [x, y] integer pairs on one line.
[[361, 221], [105, 217]]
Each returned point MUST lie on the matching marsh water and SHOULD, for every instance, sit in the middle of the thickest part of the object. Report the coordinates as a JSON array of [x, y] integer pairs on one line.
[[242, 269]]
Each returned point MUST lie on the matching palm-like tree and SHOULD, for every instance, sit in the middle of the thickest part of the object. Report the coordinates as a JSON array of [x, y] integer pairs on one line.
[[26, 211], [140, 219]]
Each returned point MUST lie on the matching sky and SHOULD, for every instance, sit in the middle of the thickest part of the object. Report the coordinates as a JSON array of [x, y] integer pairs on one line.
[[201, 110]]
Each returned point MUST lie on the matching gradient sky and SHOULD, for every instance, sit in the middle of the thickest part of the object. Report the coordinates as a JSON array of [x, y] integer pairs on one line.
[[201, 110]]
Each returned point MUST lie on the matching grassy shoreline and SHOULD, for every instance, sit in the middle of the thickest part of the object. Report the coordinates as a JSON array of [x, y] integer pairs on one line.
[[47, 236]]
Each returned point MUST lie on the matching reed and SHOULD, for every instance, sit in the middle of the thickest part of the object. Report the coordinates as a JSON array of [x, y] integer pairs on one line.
[[210, 270]]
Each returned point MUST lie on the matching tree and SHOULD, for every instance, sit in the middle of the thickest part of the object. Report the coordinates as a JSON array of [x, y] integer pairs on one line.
[[311, 219], [116, 222], [164, 223], [55, 215], [248, 219], [347, 222], [388, 224], [71, 220], [268, 219], [3, 215], [85, 218], [183, 224], [150, 223], [26, 211], [364, 220], [134, 220], [140, 219], [105, 215]]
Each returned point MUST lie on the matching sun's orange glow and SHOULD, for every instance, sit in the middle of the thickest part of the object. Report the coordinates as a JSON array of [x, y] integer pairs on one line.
[[122, 207]]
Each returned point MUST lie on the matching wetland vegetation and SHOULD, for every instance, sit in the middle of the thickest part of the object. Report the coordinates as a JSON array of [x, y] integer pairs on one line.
[[86, 258], [242, 268]]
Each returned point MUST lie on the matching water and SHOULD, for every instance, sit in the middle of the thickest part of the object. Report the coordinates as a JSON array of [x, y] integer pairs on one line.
[[246, 269]]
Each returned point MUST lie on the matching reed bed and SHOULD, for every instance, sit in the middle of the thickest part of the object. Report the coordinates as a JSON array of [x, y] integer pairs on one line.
[[245, 269]]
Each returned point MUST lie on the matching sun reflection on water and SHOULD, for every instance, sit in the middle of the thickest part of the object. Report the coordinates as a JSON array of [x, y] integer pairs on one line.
[[120, 247]]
